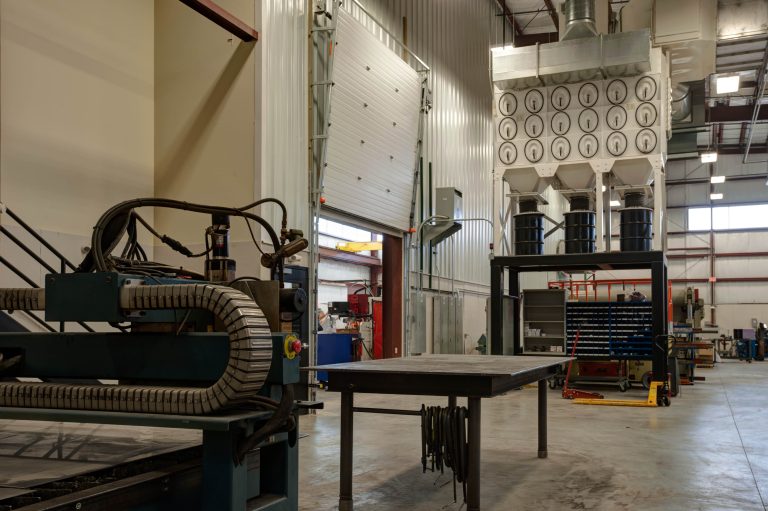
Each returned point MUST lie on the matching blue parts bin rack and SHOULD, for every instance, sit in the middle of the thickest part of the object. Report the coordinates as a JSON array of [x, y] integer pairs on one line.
[[610, 330]]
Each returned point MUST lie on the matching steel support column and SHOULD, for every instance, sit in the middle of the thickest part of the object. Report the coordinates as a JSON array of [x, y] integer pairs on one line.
[[659, 308], [347, 432], [542, 418], [225, 484], [473, 458], [497, 310], [514, 291], [392, 282]]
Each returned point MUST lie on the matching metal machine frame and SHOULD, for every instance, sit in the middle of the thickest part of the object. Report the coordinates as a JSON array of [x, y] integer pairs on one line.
[[169, 355], [655, 261]]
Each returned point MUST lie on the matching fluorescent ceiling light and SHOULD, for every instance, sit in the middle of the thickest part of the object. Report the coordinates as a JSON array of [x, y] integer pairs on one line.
[[710, 157], [615, 204], [727, 84], [715, 196], [603, 187], [717, 179]]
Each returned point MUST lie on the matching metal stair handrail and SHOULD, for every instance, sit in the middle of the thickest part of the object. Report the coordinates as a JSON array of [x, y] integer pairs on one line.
[[64, 263]]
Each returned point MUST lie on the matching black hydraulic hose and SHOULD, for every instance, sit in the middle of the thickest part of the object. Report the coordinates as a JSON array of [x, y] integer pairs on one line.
[[274, 201], [99, 259], [281, 418], [444, 443]]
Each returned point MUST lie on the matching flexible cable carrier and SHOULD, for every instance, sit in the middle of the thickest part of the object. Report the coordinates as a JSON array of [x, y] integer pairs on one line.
[[250, 356]]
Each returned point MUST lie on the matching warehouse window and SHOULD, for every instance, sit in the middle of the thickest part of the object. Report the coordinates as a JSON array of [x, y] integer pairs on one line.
[[723, 218], [342, 231]]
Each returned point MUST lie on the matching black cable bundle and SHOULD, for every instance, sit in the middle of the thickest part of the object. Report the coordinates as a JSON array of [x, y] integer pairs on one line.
[[444, 442]]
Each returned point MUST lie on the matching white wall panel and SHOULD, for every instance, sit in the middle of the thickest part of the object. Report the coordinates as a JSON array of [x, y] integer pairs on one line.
[[374, 123], [735, 241], [729, 267], [283, 45], [453, 37], [741, 292], [731, 316]]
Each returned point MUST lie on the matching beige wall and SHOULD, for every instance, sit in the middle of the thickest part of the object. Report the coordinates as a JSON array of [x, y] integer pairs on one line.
[[76, 82], [206, 112]]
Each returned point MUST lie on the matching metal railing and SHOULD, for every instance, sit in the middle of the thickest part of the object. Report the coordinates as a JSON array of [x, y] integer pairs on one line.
[[64, 263]]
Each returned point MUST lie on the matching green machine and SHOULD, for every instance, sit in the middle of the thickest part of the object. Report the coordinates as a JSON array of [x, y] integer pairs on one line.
[[201, 351]]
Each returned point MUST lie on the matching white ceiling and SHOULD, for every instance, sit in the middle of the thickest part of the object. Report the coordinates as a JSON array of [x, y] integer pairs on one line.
[[532, 22]]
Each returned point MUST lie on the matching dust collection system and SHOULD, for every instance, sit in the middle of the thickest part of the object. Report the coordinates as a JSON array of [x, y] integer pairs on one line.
[[204, 351], [589, 117]]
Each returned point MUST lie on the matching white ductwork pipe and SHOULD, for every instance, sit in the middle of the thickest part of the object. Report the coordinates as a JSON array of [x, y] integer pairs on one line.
[[681, 102], [579, 19]]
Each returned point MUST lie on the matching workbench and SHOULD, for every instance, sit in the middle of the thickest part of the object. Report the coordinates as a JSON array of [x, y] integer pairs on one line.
[[472, 376]]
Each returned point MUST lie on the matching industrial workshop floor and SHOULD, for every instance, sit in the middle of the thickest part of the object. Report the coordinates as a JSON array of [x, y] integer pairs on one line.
[[708, 451]]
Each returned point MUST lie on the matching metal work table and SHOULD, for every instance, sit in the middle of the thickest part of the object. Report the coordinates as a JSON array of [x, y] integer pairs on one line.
[[471, 376]]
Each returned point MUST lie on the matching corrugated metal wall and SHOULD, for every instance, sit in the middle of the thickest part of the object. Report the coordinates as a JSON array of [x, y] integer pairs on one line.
[[731, 298], [453, 37], [284, 89]]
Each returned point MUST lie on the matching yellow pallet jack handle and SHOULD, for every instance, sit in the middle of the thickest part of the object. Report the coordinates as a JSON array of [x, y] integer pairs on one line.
[[652, 400]]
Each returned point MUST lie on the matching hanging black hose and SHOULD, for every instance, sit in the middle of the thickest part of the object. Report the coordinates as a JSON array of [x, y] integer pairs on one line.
[[444, 442], [281, 420]]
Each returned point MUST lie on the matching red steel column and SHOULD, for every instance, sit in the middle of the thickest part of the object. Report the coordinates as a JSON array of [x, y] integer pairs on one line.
[[392, 295]]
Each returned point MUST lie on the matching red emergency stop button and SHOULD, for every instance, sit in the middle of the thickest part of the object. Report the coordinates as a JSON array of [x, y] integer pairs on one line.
[[292, 347]]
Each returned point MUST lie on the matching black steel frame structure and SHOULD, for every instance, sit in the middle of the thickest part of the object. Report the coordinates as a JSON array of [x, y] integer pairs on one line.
[[656, 261]]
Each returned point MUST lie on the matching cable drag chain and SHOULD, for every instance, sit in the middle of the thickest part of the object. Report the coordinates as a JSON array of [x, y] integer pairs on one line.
[[250, 356]]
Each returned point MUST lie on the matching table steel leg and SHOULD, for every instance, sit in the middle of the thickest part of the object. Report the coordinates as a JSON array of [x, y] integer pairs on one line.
[[451, 401], [542, 418], [473, 460], [345, 482]]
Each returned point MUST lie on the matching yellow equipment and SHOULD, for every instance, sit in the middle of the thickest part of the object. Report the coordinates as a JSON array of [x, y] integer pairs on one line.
[[654, 399], [359, 246]]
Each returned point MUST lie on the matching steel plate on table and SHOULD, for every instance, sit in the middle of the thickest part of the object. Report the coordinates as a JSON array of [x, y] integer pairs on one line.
[[459, 365], [9, 493]]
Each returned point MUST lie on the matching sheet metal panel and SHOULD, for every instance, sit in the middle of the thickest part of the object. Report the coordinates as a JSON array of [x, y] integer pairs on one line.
[[453, 37], [284, 162], [374, 128]]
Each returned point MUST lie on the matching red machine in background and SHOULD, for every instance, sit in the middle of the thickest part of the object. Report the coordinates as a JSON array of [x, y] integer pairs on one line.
[[364, 316], [358, 304], [366, 308]]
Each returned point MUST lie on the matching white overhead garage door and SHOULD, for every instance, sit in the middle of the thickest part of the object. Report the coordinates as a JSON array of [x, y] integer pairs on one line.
[[373, 135]]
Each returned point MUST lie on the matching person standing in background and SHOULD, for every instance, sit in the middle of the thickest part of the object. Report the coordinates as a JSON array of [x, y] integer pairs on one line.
[[324, 322]]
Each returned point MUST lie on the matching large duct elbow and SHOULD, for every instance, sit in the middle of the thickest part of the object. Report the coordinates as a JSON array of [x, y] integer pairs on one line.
[[681, 103], [579, 19]]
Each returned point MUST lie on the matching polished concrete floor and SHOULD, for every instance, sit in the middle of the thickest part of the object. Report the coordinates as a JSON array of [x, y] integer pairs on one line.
[[708, 451]]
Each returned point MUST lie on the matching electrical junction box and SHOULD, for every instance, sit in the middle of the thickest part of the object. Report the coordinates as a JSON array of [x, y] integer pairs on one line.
[[449, 206], [449, 202]]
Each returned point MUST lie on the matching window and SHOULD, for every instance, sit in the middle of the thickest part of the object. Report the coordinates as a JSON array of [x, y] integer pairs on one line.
[[332, 233], [723, 218], [342, 231]]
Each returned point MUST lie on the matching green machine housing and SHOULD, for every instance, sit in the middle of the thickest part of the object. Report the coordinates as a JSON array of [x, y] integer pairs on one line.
[[165, 347]]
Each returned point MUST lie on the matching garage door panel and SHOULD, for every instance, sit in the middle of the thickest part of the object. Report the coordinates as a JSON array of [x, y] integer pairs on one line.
[[373, 131]]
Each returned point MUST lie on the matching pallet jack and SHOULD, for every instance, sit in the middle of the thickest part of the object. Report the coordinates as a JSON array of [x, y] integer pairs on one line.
[[574, 393], [658, 395]]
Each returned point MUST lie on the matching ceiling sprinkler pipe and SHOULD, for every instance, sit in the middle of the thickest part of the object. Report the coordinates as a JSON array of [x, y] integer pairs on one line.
[[579, 19]]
